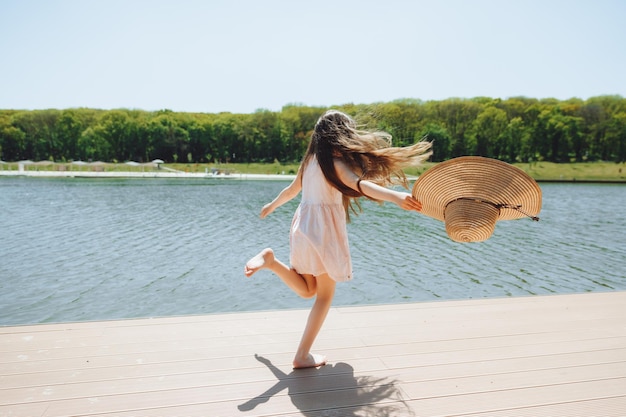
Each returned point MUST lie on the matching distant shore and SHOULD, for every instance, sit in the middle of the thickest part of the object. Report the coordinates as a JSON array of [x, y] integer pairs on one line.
[[224, 176], [147, 174], [575, 172]]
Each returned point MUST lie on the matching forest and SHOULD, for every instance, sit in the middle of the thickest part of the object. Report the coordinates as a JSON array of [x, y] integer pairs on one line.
[[517, 129]]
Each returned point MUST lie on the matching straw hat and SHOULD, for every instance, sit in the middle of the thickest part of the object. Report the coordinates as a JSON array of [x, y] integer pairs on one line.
[[471, 193]]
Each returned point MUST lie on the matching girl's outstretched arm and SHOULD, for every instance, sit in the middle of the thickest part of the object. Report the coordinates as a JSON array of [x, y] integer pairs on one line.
[[288, 193], [402, 199]]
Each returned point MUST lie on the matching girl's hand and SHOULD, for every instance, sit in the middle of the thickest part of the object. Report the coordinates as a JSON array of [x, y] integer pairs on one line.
[[287, 194], [266, 210], [408, 202]]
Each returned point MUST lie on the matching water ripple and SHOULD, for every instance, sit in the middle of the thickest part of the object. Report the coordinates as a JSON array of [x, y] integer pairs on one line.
[[78, 249]]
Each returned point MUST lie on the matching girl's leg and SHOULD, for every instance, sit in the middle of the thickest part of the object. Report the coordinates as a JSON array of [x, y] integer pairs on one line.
[[303, 285], [325, 294]]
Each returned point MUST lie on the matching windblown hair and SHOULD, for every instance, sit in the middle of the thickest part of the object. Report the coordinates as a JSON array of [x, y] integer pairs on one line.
[[367, 153]]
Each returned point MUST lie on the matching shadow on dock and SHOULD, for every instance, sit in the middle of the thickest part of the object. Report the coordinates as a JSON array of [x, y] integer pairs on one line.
[[333, 390]]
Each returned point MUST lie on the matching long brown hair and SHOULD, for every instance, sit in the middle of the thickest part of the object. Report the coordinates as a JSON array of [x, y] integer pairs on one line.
[[368, 153]]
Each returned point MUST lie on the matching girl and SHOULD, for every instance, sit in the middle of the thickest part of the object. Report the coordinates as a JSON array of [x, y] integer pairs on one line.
[[342, 163]]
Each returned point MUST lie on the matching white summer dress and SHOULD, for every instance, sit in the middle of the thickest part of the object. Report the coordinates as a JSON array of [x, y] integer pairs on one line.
[[319, 236]]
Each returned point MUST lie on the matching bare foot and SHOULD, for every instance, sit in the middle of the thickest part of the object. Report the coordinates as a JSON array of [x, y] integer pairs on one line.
[[312, 361], [263, 260]]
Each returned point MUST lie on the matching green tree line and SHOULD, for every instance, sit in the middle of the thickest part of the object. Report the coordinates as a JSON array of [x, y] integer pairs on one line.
[[517, 129]]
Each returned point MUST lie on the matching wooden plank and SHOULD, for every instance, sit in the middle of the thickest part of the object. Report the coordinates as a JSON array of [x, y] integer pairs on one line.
[[512, 400], [422, 340], [515, 380], [605, 407], [538, 351], [415, 383]]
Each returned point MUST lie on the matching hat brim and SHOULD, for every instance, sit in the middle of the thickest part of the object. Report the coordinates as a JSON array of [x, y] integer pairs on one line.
[[484, 179]]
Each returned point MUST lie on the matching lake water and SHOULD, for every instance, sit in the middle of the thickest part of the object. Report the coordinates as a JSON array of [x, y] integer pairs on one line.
[[94, 249]]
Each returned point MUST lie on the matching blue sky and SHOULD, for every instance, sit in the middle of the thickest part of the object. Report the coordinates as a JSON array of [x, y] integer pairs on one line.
[[244, 55]]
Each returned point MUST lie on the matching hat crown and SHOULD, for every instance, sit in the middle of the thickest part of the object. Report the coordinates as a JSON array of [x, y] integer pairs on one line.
[[470, 220]]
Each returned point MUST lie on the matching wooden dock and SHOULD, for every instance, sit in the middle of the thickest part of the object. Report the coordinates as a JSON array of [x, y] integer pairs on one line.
[[562, 355]]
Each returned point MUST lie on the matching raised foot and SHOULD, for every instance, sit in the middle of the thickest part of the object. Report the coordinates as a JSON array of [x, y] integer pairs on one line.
[[311, 361], [262, 260]]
